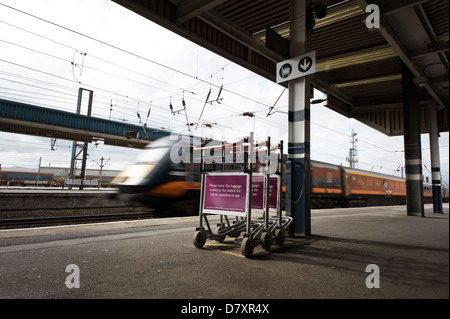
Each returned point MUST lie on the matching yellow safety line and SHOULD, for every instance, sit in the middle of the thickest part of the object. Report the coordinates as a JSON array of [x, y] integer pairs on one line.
[[213, 245]]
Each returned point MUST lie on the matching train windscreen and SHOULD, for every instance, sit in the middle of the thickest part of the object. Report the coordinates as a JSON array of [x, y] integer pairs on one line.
[[152, 155]]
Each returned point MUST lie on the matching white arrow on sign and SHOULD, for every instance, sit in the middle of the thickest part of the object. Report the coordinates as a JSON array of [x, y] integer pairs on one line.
[[305, 64]]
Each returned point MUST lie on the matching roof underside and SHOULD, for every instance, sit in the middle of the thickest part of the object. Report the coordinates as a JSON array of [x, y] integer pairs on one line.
[[358, 68]]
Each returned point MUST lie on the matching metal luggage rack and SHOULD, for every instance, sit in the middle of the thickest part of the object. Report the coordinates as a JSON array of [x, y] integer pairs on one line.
[[229, 180]]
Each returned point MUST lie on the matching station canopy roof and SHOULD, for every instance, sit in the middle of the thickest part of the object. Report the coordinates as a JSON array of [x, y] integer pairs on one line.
[[360, 69]]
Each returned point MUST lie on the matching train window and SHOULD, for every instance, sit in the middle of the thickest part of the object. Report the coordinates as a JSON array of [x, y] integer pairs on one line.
[[329, 177], [363, 181]]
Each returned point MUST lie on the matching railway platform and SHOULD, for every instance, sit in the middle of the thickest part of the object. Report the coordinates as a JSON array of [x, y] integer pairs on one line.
[[353, 253]]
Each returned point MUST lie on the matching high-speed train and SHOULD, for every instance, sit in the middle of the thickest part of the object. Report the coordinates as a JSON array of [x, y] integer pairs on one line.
[[167, 186], [157, 181]]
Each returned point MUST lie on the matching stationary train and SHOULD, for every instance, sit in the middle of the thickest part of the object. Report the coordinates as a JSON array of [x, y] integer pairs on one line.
[[49, 176], [154, 179]]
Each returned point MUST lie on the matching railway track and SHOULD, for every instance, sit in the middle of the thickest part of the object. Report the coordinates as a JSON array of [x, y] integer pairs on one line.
[[23, 222]]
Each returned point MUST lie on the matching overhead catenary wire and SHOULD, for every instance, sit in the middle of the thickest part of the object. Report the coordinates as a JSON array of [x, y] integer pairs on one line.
[[127, 51], [50, 55], [69, 80], [116, 64], [89, 67], [127, 99], [109, 62], [90, 55]]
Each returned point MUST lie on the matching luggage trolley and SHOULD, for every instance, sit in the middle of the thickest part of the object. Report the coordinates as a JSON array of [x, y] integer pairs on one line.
[[237, 192]]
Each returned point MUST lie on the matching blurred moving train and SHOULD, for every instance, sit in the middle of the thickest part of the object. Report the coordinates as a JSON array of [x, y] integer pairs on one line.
[[155, 180], [51, 176]]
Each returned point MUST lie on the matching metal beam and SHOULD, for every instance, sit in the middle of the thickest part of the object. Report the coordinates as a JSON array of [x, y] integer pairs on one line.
[[232, 30], [394, 41], [65, 133], [365, 81], [203, 31], [396, 6], [432, 37], [195, 8], [339, 106], [16, 117], [325, 87], [352, 58], [434, 49]]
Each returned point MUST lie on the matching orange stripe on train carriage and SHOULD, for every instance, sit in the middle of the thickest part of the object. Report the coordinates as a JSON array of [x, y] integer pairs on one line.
[[370, 192], [327, 190], [174, 189], [383, 193], [398, 194]]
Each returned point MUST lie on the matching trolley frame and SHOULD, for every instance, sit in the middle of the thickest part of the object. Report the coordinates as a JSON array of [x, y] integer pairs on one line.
[[263, 230]]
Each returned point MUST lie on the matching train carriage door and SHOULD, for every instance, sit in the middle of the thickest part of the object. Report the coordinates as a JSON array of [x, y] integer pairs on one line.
[[346, 180], [329, 180], [192, 168], [386, 187]]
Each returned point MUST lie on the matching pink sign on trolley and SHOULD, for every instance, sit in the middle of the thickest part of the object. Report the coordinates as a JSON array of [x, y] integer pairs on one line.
[[227, 193]]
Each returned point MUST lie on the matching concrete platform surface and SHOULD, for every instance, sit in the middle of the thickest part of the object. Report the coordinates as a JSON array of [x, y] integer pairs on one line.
[[356, 253]]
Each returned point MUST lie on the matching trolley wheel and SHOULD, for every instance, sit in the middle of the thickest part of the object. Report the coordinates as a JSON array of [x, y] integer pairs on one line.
[[279, 236], [220, 238], [247, 247], [198, 240], [266, 241]]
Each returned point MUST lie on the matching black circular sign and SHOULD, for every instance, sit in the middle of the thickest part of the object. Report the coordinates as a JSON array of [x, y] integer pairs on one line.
[[305, 64], [285, 70]]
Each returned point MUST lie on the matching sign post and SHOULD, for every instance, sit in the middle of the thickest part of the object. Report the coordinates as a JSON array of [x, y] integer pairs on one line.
[[298, 193]]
